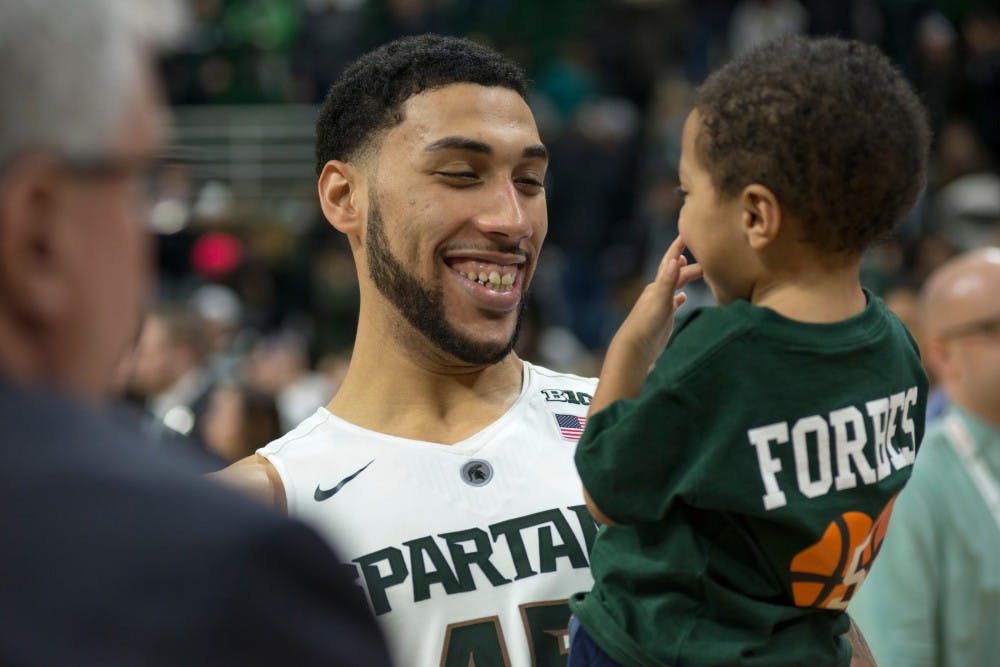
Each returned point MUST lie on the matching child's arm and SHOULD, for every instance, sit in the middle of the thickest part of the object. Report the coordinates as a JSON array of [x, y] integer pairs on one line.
[[641, 338], [644, 333]]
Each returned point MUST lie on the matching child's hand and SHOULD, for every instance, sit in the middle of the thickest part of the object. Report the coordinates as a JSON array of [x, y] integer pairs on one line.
[[644, 333], [647, 328]]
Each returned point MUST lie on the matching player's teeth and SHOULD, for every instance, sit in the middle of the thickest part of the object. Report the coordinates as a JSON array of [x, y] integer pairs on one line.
[[493, 279]]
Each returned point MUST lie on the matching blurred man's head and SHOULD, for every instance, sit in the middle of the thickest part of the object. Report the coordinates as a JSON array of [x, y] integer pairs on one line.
[[173, 342], [80, 124], [960, 314]]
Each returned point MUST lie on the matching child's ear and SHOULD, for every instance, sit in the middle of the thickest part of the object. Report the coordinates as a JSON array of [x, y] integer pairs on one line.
[[342, 196], [762, 217]]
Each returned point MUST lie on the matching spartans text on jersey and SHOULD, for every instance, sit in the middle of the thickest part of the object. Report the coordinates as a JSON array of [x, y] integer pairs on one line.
[[451, 566]]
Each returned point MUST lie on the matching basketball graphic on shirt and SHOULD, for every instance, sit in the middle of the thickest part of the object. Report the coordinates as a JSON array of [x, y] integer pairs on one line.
[[828, 573]]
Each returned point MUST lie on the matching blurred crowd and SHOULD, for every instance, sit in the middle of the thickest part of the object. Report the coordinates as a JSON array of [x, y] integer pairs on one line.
[[254, 322]]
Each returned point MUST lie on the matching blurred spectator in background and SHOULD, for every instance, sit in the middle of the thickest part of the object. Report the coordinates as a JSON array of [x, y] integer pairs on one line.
[[113, 554], [279, 365], [170, 379], [966, 204], [754, 22], [933, 597], [980, 77], [591, 210], [608, 79], [221, 314], [237, 51], [332, 35], [936, 63], [239, 421]]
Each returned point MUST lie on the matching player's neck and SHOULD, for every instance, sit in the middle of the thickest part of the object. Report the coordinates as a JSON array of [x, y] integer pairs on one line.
[[812, 293], [391, 390]]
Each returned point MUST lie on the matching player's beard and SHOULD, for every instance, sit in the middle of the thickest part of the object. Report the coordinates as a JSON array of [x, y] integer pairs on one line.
[[424, 308]]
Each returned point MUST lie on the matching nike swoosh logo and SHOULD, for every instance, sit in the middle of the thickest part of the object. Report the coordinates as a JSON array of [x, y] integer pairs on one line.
[[320, 495]]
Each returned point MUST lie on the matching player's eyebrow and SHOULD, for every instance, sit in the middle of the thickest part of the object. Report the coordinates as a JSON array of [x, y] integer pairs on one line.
[[459, 143], [537, 151]]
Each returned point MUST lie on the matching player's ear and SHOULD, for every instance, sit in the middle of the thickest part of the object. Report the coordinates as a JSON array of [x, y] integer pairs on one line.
[[35, 239], [343, 197], [762, 215]]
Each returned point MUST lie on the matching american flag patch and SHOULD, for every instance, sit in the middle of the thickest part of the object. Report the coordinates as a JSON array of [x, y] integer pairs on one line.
[[570, 426]]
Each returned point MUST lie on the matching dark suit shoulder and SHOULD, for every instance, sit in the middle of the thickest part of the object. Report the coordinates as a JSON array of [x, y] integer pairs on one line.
[[114, 555]]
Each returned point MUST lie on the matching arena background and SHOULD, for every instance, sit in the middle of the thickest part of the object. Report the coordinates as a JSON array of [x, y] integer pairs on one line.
[[261, 290]]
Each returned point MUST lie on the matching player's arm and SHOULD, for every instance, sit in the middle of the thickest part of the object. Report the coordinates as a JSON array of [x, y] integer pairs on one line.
[[595, 511], [861, 655], [256, 477]]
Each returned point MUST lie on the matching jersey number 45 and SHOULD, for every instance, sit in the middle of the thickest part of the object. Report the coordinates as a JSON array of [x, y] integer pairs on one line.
[[481, 642]]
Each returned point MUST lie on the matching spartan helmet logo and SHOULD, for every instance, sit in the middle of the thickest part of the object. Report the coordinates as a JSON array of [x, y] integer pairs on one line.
[[477, 473]]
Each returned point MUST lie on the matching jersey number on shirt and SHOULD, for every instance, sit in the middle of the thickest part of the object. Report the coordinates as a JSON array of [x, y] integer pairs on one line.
[[481, 642]]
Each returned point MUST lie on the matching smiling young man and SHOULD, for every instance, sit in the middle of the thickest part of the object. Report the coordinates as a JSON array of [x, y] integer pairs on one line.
[[443, 465]]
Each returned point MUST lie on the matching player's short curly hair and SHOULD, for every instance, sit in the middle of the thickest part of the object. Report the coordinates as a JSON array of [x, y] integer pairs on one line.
[[829, 125], [369, 96]]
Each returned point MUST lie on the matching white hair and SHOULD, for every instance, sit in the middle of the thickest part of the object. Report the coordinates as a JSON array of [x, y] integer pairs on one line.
[[68, 68]]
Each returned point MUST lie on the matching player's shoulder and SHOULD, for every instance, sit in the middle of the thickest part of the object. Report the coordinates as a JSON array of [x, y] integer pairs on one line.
[[309, 429], [256, 477], [546, 389], [541, 378]]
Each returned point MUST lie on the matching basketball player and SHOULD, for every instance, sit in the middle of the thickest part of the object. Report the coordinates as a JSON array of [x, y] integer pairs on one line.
[[752, 472], [111, 554], [443, 465]]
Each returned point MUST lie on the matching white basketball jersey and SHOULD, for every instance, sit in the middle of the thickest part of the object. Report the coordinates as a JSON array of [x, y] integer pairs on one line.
[[467, 552]]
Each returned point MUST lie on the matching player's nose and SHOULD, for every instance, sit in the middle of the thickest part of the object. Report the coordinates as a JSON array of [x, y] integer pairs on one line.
[[507, 212]]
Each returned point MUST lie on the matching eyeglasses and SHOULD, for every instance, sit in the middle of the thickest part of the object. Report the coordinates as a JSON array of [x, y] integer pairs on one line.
[[989, 327], [146, 169]]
